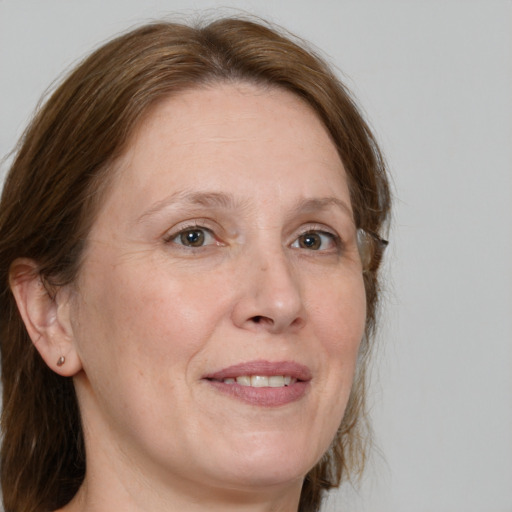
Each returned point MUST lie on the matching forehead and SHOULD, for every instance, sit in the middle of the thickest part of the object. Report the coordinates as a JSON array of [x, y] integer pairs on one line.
[[231, 136]]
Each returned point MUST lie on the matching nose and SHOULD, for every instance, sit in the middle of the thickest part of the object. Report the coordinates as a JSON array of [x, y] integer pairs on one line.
[[270, 297]]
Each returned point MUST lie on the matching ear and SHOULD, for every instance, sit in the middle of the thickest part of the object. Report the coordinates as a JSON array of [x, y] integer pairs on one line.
[[46, 315]]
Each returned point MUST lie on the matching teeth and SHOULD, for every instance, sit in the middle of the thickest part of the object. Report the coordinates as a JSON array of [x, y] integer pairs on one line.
[[276, 381], [259, 381], [262, 381], [244, 380]]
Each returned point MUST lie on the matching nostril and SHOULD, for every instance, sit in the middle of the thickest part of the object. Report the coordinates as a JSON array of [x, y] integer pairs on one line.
[[259, 319]]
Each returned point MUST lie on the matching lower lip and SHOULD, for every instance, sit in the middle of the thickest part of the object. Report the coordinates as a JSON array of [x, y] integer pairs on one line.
[[265, 396]]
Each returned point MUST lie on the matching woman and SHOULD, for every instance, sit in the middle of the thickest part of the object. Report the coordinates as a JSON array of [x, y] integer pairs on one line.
[[189, 249]]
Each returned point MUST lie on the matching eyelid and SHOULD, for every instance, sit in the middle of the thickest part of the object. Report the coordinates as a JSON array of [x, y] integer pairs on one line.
[[320, 229], [179, 228], [212, 227]]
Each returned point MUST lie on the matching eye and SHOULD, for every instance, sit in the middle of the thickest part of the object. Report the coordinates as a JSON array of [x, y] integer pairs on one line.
[[316, 241], [193, 237]]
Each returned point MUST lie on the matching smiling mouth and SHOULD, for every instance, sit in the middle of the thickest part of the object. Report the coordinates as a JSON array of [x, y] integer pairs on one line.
[[260, 381], [263, 383]]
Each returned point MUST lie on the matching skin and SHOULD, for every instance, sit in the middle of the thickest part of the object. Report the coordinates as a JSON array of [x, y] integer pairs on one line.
[[149, 317]]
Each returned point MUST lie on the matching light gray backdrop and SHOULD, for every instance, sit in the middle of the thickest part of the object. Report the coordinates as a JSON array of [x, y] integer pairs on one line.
[[435, 79]]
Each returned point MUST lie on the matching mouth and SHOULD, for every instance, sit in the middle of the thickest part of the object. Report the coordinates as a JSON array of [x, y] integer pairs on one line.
[[262, 383]]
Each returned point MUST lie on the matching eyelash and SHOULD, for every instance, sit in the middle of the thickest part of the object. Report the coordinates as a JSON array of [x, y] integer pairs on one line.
[[196, 226], [334, 238]]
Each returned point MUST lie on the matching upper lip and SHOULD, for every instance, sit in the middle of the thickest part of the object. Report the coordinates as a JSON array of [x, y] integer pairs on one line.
[[262, 367]]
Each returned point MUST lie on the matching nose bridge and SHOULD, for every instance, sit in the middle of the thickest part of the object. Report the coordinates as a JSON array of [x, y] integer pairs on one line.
[[272, 296], [278, 278]]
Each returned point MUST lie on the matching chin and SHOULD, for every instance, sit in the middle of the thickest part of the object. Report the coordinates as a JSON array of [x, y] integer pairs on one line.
[[278, 463], [257, 478]]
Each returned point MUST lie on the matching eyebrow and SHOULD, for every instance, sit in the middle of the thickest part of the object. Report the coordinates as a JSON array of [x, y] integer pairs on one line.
[[221, 200], [218, 200], [322, 203]]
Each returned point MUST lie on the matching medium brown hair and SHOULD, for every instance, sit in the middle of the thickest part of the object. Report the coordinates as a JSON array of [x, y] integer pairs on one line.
[[59, 176]]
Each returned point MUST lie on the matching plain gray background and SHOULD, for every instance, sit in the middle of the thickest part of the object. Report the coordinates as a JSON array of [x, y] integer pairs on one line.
[[435, 79]]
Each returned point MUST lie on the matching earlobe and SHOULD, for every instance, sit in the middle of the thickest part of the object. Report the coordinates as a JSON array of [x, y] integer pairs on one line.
[[46, 315]]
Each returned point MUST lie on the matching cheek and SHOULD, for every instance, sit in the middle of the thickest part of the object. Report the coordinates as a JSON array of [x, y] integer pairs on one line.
[[339, 316], [182, 309], [143, 310], [338, 319], [138, 331]]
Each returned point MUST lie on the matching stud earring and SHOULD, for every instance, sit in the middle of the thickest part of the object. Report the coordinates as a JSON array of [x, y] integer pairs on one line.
[[61, 361]]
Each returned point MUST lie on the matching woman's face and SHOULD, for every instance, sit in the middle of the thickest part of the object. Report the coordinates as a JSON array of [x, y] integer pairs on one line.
[[220, 304]]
